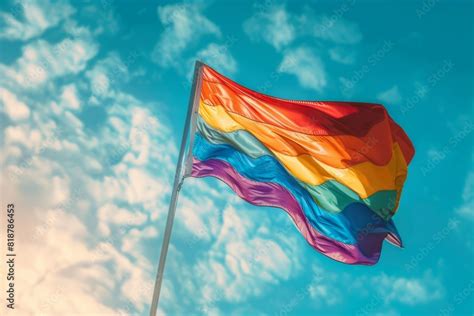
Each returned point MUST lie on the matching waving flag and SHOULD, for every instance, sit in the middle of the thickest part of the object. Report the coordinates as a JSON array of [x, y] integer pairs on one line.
[[337, 168]]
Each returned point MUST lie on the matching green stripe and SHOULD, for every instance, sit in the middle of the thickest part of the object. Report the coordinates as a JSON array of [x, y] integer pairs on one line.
[[330, 195]]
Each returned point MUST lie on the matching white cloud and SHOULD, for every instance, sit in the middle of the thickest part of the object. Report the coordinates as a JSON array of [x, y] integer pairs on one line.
[[143, 187], [66, 180], [390, 96], [106, 19], [201, 222], [307, 67], [131, 242], [277, 26], [22, 135], [63, 283], [410, 291], [74, 29], [183, 25], [339, 30], [64, 195], [106, 73], [14, 108], [89, 272], [60, 191], [111, 214], [69, 98], [75, 279], [321, 288], [379, 291], [42, 61], [27, 19], [244, 261], [219, 57], [272, 26], [341, 55], [323, 293], [142, 284], [467, 208]]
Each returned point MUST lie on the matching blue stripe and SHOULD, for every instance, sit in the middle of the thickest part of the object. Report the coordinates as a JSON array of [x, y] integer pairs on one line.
[[348, 226]]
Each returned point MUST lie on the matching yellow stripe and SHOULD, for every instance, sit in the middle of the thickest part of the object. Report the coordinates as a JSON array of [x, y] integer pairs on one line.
[[364, 178]]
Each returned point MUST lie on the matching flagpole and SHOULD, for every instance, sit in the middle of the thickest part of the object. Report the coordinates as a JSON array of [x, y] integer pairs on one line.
[[178, 181]]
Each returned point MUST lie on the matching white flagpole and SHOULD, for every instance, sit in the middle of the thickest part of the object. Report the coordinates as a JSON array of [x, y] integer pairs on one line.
[[178, 181]]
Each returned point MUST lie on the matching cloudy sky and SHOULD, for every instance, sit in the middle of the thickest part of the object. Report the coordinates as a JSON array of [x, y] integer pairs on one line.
[[93, 96]]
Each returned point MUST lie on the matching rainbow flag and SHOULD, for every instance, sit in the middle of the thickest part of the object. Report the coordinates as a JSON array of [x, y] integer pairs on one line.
[[337, 168]]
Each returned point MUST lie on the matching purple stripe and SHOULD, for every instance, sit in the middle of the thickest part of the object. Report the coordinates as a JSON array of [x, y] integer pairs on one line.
[[274, 195]]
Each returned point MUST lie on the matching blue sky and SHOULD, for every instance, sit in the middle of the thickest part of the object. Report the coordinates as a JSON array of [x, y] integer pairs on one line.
[[93, 97]]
